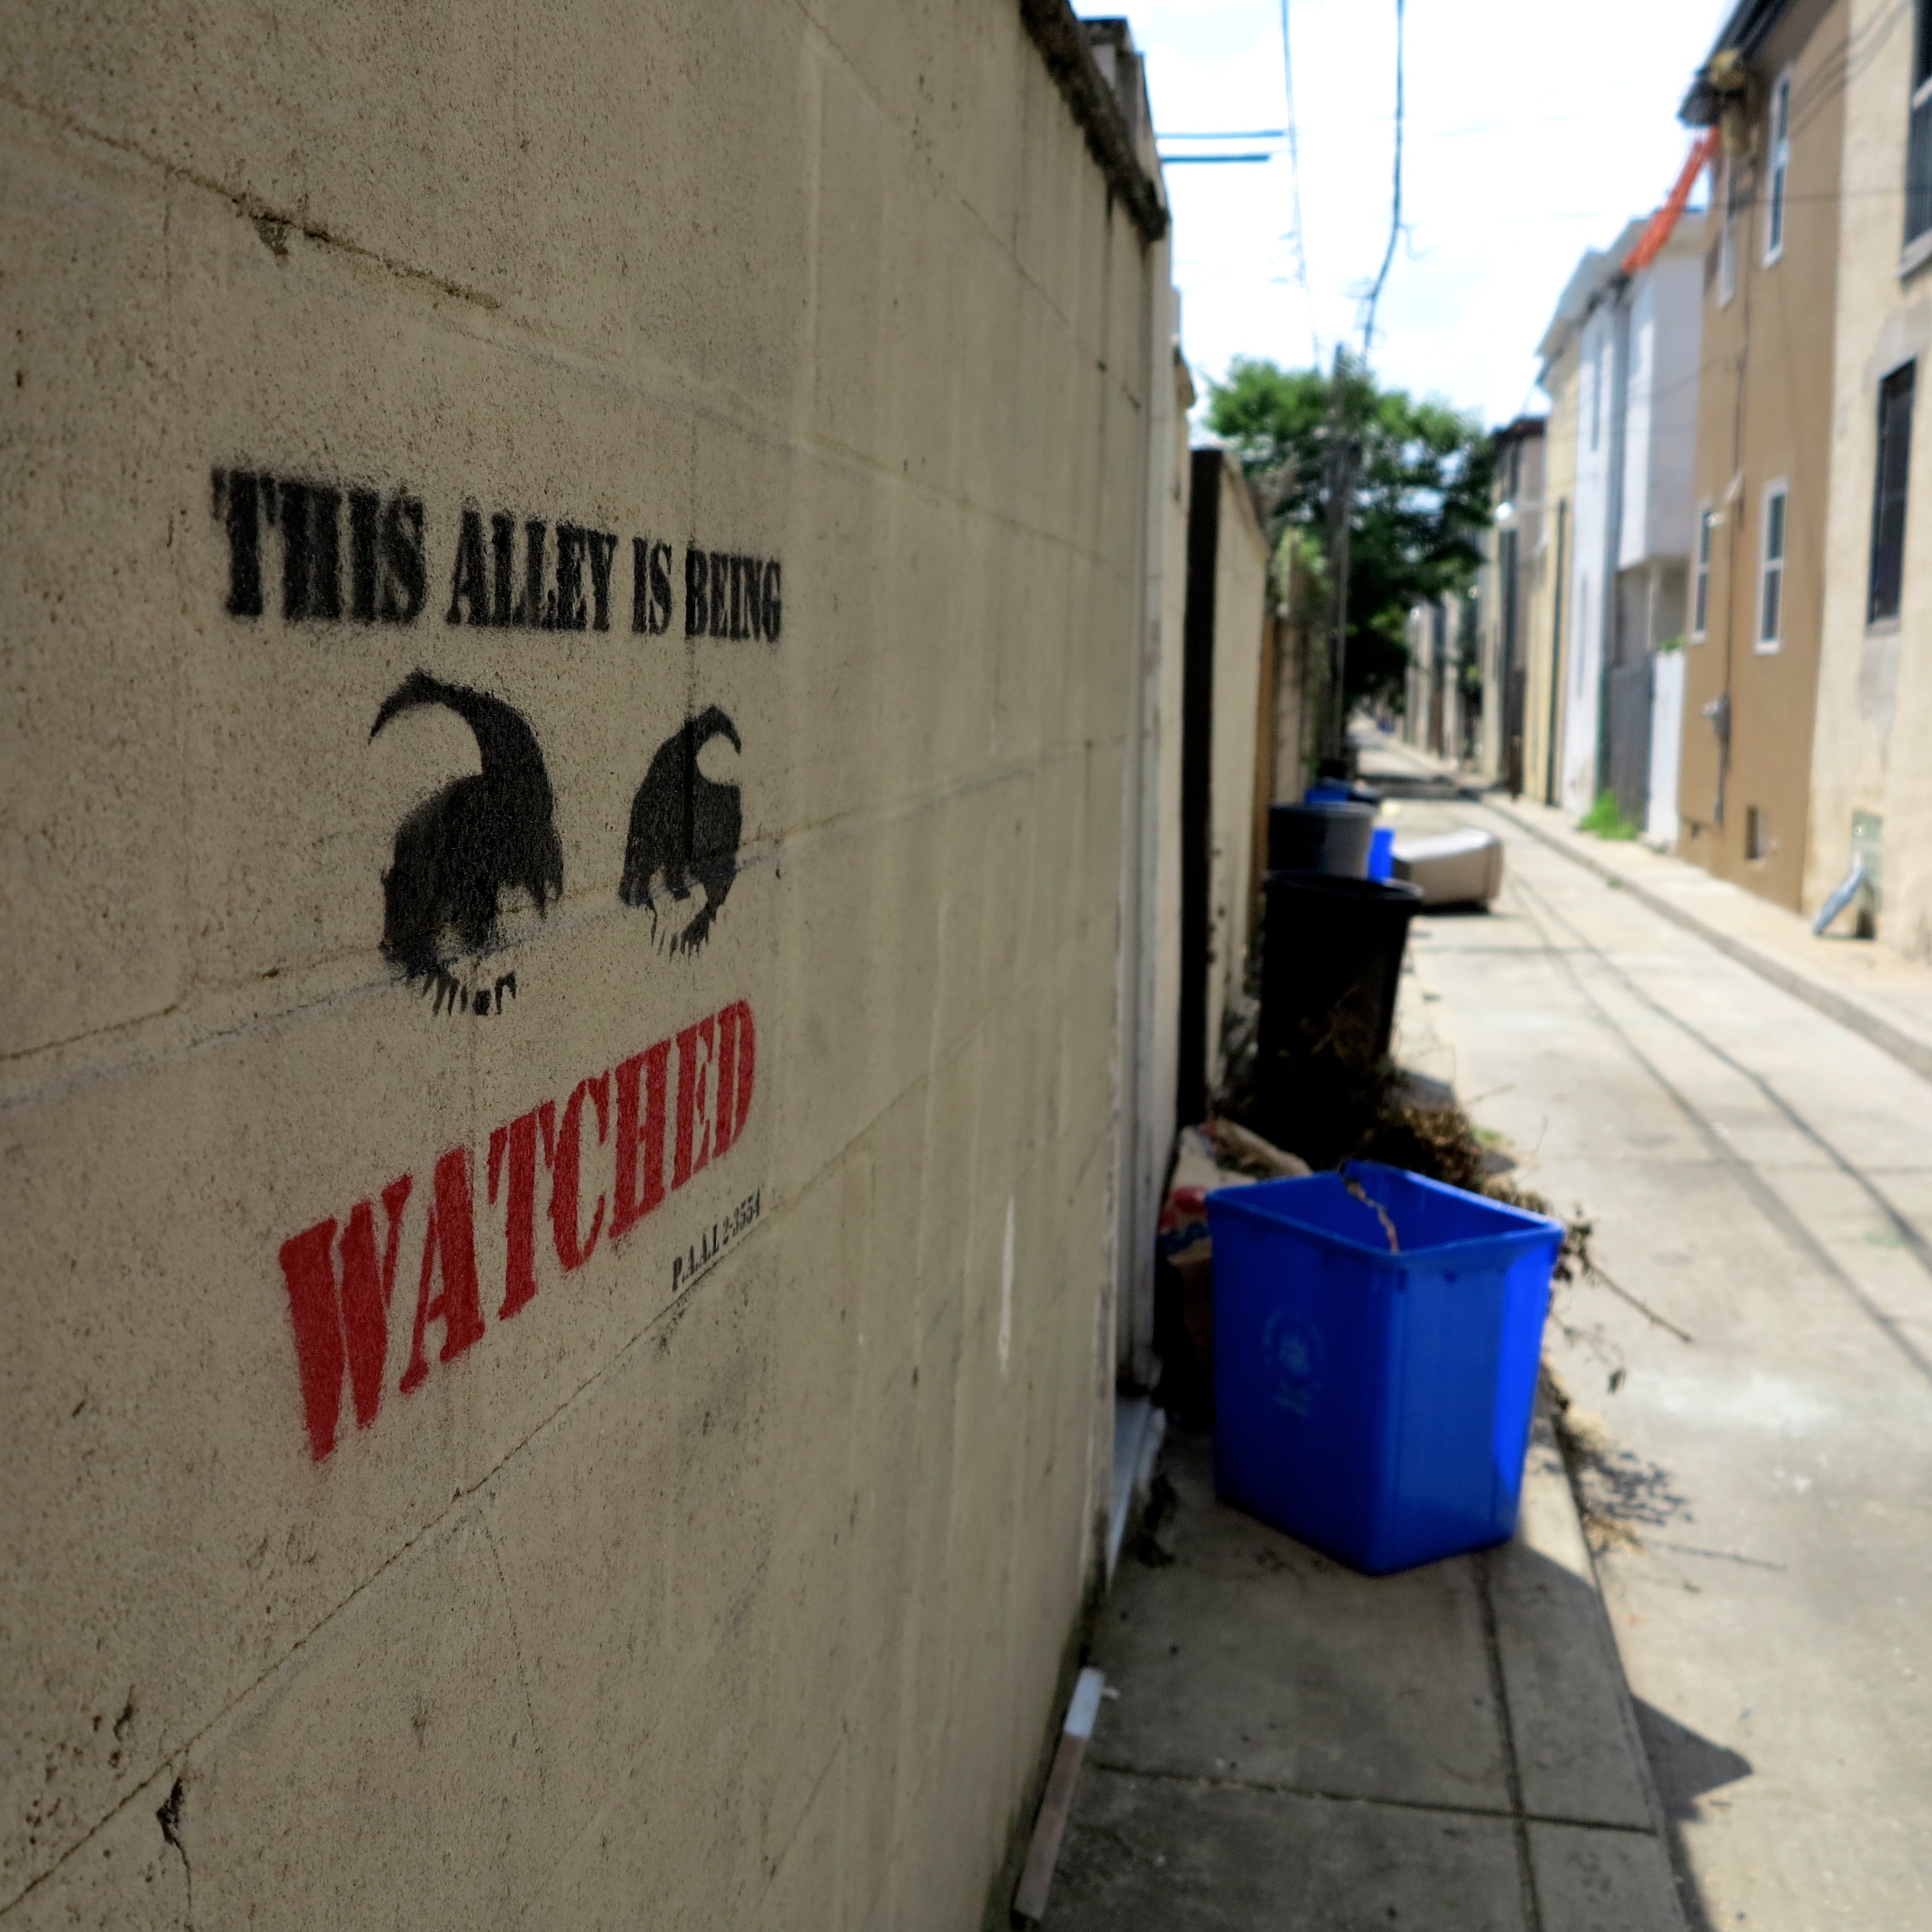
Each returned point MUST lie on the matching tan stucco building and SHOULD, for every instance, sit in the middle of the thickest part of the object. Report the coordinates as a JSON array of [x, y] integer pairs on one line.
[[1775, 87], [1871, 783]]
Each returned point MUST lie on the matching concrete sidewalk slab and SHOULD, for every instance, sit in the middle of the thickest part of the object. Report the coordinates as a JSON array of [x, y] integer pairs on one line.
[[1578, 1753], [1196, 1857], [1296, 1746], [1256, 1659]]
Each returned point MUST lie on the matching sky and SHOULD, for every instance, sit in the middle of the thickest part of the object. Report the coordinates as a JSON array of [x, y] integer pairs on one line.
[[1534, 129]]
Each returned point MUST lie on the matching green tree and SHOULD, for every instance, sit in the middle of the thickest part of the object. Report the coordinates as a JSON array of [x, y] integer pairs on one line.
[[1422, 494]]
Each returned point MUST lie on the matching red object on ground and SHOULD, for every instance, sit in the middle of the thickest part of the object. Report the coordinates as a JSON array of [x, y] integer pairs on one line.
[[1185, 1206]]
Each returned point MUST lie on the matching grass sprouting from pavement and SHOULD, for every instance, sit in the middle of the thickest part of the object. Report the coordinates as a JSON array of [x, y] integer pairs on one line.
[[1606, 819]]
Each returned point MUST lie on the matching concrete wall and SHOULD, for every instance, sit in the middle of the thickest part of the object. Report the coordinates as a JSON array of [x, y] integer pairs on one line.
[[1421, 724], [565, 1393], [1240, 612], [1874, 691], [1435, 716], [1227, 579], [1764, 415], [1519, 484], [1153, 907], [1301, 678]]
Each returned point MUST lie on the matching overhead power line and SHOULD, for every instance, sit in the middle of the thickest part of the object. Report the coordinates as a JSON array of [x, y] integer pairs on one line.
[[1395, 199], [1300, 234]]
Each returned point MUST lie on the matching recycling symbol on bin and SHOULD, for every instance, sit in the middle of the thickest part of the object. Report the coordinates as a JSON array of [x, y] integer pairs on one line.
[[1297, 1364]]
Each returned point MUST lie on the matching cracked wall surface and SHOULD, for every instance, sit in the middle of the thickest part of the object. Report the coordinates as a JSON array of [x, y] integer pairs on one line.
[[718, 1566]]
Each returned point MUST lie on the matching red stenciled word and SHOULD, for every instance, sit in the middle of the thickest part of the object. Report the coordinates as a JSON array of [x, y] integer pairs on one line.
[[341, 1278]]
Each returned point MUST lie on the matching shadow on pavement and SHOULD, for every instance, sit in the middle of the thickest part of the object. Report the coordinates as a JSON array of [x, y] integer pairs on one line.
[[1287, 1744], [1685, 1765]]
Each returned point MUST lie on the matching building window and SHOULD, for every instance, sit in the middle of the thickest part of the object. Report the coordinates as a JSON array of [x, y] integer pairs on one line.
[[1727, 236], [1596, 392], [1918, 139], [1770, 579], [1757, 841], [1700, 589], [1894, 459], [1781, 168]]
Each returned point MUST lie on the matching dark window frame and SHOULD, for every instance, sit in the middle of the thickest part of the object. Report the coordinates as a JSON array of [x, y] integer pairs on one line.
[[1776, 197], [1918, 136], [1757, 834], [1774, 550], [1891, 478]]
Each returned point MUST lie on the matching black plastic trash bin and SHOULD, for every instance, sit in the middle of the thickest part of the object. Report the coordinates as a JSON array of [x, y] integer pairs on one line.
[[1331, 961], [1330, 837]]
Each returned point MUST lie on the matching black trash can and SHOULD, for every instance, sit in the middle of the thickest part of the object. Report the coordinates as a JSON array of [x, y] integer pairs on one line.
[[1331, 962], [1330, 837]]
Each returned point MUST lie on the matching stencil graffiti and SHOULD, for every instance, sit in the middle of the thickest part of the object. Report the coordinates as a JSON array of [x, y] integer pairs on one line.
[[547, 592], [460, 854], [684, 832], [352, 554], [385, 548], [468, 859], [727, 596], [654, 1122]]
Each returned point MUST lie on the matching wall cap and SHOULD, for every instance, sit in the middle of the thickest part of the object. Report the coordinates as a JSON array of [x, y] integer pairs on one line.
[[1062, 38]]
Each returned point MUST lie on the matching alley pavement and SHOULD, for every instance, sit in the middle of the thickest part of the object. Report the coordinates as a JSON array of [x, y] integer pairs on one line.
[[1750, 1380], [1288, 1745], [1754, 1391], [1285, 1744]]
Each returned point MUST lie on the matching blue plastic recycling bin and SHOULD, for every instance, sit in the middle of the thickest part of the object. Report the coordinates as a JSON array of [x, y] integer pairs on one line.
[[1381, 853], [1375, 1401]]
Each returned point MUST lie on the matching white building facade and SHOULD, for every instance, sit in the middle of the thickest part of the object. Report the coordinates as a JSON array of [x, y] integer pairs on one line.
[[1637, 338]]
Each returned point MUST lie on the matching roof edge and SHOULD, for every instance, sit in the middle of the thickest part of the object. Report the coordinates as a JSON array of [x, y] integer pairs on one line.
[[1062, 39], [1743, 32]]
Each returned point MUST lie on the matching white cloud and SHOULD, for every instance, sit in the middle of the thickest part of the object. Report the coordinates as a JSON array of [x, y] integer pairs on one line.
[[1536, 128]]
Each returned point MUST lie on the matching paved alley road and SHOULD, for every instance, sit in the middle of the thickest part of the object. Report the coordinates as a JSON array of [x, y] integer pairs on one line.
[[1761, 1178]]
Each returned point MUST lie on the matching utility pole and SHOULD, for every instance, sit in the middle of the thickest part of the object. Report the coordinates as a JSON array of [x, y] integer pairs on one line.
[[1341, 467]]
